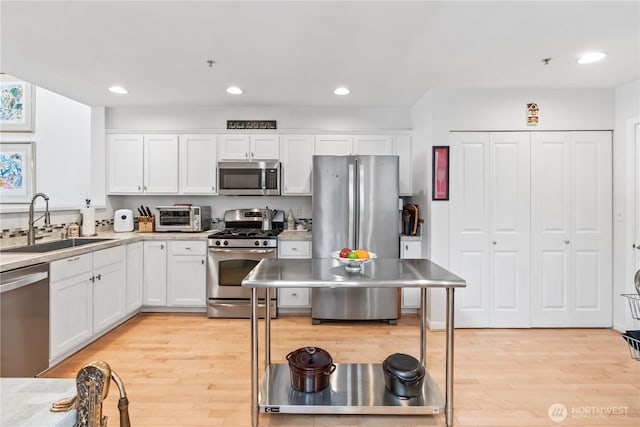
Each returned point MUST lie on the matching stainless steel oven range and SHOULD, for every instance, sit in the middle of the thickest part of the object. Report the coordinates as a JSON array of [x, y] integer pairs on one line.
[[233, 252]]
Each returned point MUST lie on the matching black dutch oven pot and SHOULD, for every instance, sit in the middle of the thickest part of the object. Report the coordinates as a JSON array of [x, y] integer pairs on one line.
[[310, 369], [403, 375]]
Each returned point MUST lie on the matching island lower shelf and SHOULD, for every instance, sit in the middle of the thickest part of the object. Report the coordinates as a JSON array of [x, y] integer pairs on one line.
[[355, 388]]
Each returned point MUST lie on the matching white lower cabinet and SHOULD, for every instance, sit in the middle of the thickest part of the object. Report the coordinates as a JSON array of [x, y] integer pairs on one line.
[[175, 273], [294, 298], [155, 273], [109, 288], [135, 258], [187, 274], [410, 249], [87, 296]]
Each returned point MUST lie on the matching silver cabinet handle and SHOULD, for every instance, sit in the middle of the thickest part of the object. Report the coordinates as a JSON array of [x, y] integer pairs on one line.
[[294, 249], [139, 188], [252, 154], [161, 247], [406, 247], [202, 262], [145, 187], [246, 155], [187, 249], [494, 243], [637, 246], [73, 259], [567, 242], [99, 277], [294, 294], [92, 279], [213, 188]]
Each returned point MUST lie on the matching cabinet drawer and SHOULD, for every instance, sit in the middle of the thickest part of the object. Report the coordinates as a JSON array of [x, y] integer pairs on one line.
[[187, 247], [293, 297], [294, 249], [69, 267], [108, 256]]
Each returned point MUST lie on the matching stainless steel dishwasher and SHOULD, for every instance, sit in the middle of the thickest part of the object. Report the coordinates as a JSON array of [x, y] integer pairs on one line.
[[24, 321]]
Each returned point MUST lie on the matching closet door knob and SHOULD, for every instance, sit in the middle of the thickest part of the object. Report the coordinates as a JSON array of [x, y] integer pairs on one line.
[[567, 242]]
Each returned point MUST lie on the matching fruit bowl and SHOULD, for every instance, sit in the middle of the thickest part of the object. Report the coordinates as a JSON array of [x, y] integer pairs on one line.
[[353, 265]]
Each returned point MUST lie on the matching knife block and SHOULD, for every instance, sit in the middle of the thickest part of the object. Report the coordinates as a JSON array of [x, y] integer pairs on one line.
[[146, 224]]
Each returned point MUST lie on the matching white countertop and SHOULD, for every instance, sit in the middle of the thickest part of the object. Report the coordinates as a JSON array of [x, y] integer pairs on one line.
[[9, 260], [25, 402]]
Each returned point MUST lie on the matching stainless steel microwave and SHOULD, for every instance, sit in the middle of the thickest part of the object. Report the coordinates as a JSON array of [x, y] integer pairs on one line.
[[183, 218], [251, 178]]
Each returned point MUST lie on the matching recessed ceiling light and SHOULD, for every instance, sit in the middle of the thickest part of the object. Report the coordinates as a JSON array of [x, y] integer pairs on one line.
[[234, 90], [342, 91], [119, 90], [590, 57]]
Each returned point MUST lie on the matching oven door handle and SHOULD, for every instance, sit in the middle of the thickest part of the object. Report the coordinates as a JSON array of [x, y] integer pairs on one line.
[[243, 251]]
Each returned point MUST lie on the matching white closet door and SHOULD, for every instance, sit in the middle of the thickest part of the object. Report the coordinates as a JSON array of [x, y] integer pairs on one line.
[[571, 229], [510, 267], [470, 230]]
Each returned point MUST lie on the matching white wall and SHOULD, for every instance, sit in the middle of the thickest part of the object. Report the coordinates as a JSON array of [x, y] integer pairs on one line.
[[62, 139], [627, 113], [308, 118], [442, 110]]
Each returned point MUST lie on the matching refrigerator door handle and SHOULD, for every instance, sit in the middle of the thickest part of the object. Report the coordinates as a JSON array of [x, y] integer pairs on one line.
[[360, 209], [352, 205]]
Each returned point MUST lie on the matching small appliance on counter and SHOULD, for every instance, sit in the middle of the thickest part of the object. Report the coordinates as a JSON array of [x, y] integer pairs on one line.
[[183, 217], [123, 220]]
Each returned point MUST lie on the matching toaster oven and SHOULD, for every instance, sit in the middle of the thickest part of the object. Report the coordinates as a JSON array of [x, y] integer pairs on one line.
[[183, 218]]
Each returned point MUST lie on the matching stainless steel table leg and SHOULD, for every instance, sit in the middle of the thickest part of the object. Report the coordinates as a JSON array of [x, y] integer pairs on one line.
[[254, 357], [267, 330], [449, 368], [423, 326]]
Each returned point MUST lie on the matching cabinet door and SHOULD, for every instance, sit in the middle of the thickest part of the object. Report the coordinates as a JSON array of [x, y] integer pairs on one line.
[[155, 273], [571, 229], [375, 145], [297, 162], [402, 148], [125, 160], [135, 259], [470, 226], [161, 164], [198, 164], [234, 147], [265, 147], [333, 145], [109, 287], [510, 250], [410, 249], [294, 297], [70, 311], [187, 281]]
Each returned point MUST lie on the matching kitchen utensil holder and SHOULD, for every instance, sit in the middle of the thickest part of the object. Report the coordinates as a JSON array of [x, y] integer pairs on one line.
[[146, 224], [634, 304]]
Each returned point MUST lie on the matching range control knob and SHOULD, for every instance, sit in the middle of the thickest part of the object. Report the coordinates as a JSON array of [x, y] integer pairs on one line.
[[256, 243], [217, 243], [226, 243], [265, 243]]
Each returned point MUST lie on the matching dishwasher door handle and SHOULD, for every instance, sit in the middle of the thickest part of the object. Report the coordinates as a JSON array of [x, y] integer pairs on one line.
[[29, 279]]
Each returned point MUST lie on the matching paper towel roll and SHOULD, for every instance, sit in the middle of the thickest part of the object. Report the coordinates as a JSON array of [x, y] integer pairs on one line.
[[88, 221]]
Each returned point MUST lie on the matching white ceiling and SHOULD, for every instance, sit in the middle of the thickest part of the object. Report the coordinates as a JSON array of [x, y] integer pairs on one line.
[[295, 53]]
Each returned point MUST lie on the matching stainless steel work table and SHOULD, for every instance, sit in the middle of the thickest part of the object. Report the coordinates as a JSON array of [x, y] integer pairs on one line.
[[355, 388]]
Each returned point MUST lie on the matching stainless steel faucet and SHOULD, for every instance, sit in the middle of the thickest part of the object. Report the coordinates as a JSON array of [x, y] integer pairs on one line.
[[31, 236]]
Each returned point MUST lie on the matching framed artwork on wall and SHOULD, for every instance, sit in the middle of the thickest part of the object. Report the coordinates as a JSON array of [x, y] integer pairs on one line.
[[17, 105], [440, 173], [17, 172]]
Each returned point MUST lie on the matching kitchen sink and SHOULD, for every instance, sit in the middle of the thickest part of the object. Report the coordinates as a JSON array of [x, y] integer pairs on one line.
[[55, 245]]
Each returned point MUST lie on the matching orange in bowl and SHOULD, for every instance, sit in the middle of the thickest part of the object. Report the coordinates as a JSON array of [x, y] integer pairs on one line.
[[362, 254]]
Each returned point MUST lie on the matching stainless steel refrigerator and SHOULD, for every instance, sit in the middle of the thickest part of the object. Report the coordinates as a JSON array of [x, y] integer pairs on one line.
[[355, 205]]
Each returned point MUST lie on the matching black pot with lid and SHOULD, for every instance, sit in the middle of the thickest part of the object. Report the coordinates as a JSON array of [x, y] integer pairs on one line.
[[403, 375], [310, 369]]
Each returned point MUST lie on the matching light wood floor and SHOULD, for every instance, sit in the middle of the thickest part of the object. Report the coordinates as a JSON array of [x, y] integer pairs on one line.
[[187, 370]]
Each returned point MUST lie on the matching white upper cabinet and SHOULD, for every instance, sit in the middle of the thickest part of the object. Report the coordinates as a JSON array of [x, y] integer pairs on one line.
[[376, 145], [297, 162], [402, 148], [160, 164], [198, 164], [249, 147], [142, 164], [125, 158], [333, 145]]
